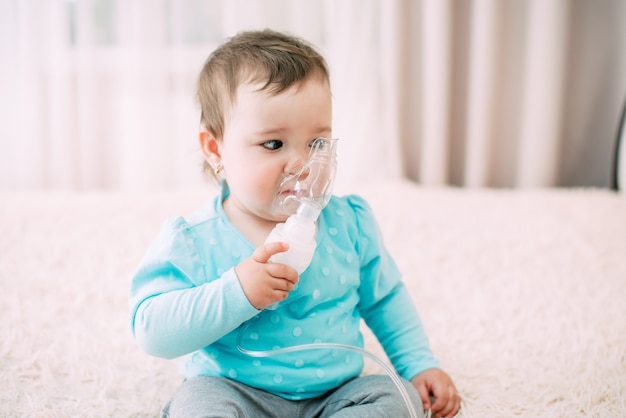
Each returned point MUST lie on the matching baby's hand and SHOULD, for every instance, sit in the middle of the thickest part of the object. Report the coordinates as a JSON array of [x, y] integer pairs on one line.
[[437, 383], [266, 283]]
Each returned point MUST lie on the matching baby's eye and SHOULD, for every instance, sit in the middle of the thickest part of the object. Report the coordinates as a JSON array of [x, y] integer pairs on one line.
[[318, 143], [272, 144]]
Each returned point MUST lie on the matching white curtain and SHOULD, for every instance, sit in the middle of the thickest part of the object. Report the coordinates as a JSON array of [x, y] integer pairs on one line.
[[484, 93]]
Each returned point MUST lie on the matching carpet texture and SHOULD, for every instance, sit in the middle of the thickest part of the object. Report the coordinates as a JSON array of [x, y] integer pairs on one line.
[[522, 294]]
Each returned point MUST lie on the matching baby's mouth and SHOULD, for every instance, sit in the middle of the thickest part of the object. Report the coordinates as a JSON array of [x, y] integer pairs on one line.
[[294, 193]]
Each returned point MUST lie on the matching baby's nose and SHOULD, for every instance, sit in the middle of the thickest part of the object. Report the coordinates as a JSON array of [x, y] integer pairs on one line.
[[298, 170], [297, 164]]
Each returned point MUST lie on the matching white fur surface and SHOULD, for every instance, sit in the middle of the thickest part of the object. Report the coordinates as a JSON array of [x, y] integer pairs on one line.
[[522, 294]]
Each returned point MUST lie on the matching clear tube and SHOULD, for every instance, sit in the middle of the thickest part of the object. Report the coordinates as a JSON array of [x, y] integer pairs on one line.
[[333, 346]]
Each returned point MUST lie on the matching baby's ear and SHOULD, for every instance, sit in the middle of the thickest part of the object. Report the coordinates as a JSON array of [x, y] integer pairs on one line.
[[210, 148]]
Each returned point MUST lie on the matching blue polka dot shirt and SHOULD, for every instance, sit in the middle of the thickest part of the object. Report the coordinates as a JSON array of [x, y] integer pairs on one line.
[[186, 300]]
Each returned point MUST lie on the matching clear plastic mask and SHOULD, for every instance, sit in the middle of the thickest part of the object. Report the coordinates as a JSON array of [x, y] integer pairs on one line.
[[312, 183]]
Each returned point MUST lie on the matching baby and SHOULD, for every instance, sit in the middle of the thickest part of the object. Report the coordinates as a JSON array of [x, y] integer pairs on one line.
[[209, 289]]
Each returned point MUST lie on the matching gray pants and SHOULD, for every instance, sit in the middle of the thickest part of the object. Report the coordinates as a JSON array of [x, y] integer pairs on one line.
[[368, 396]]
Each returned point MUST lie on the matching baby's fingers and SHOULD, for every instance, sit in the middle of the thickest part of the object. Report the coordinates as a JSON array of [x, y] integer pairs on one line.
[[447, 402], [282, 272], [441, 395], [264, 252], [423, 392]]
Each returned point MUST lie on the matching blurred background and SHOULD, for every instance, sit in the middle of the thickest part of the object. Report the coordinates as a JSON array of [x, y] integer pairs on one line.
[[99, 94]]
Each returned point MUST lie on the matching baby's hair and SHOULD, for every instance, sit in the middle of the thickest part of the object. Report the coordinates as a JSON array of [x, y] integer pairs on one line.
[[278, 60]]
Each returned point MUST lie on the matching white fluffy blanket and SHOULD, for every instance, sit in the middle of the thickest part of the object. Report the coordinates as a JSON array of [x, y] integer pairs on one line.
[[521, 292]]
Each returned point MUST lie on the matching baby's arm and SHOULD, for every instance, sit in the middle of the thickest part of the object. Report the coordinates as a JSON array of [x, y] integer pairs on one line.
[[178, 321], [388, 309], [174, 317]]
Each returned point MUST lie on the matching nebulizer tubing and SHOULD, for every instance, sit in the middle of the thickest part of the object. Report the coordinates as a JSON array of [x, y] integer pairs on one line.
[[301, 196], [331, 346]]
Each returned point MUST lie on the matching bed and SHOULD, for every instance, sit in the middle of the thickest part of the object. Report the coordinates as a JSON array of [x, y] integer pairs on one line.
[[522, 294]]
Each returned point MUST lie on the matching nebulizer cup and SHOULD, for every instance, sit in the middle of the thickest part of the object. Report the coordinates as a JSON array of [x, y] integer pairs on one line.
[[301, 196]]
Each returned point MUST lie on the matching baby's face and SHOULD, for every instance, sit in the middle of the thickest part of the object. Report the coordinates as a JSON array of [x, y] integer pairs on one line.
[[267, 135]]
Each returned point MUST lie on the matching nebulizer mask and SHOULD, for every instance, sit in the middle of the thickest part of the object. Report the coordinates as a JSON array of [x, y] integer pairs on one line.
[[301, 196], [311, 184]]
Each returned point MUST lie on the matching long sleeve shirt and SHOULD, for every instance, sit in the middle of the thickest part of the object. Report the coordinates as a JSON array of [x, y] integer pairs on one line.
[[186, 299]]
